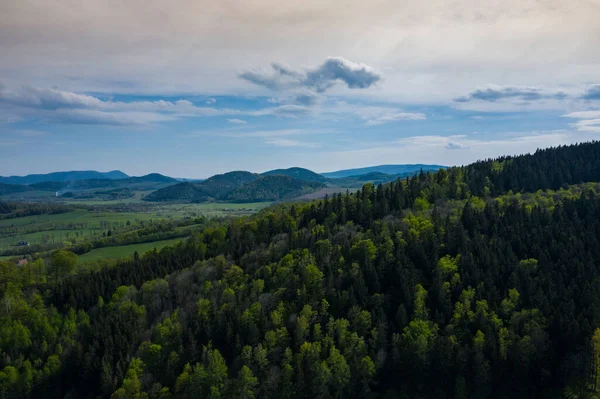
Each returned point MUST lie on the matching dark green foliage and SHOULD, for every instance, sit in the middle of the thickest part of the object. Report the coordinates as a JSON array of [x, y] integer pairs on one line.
[[13, 188], [272, 188], [9, 210], [414, 289], [237, 187], [63, 177], [147, 182], [298, 173], [210, 189]]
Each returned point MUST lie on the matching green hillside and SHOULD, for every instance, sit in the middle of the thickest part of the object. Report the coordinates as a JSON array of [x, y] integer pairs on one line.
[[480, 281], [13, 188], [298, 173], [272, 188], [387, 169], [236, 187], [484, 278], [63, 177], [151, 181], [213, 188]]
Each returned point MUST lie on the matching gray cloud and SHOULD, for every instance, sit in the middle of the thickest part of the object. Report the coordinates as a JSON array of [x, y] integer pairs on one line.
[[288, 111], [27, 96], [307, 98], [522, 93], [319, 79], [592, 93], [60, 106], [452, 145]]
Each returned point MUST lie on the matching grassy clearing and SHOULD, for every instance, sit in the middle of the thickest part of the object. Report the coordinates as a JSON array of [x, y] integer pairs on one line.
[[81, 223], [124, 251]]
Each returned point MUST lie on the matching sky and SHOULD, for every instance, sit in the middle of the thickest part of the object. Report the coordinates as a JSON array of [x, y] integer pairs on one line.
[[191, 88]]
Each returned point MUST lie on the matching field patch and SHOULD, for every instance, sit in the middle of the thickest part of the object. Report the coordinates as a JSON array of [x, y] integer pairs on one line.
[[124, 251]]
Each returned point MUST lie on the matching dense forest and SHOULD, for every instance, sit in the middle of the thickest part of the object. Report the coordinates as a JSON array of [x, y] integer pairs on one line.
[[273, 188], [480, 281], [237, 186]]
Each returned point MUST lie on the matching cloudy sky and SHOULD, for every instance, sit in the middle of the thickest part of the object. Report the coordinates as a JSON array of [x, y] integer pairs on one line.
[[191, 88]]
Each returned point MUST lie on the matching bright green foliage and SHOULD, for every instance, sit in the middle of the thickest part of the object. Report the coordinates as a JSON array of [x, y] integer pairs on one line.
[[246, 384], [131, 388], [355, 295], [419, 337], [63, 263], [418, 225], [448, 265], [421, 310]]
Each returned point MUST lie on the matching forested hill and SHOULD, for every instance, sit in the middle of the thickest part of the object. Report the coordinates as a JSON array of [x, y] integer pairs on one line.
[[210, 189], [273, 188], [63, 176], [13, 188], [238, 187], [152, 179], [481, 281], [298, 173], [403, 169]]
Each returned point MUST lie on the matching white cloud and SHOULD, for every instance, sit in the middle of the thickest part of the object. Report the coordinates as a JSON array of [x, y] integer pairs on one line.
[[27, 96], [237, 121], [583, 114], [394, 117], [211, 101], [282, 142], [372, 115], [61, 106], [431, 51], [279, 133], [589, 121], [587, 125]]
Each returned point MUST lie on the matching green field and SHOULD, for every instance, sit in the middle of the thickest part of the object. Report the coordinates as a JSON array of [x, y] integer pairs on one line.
[[124, 251], [81, 223]]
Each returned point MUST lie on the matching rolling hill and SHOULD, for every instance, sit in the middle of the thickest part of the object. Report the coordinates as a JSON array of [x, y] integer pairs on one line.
[[152, 181], [13, 188], [236, 186], [387, 169], [273, 188], [212, 188], [63, 176], [298, 173]]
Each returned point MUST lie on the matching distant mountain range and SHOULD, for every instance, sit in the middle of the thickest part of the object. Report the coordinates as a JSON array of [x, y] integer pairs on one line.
[[63, 176], [236, 186], [387, 169]]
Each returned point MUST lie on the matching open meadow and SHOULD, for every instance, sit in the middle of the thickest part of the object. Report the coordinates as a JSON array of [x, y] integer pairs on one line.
[[123, 251], [95, 222]]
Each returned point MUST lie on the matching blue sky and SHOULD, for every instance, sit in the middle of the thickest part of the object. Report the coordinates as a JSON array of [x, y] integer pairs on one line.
[[205, 88]]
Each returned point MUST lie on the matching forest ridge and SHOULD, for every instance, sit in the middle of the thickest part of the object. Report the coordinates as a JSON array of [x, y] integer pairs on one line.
[[476, 281]]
